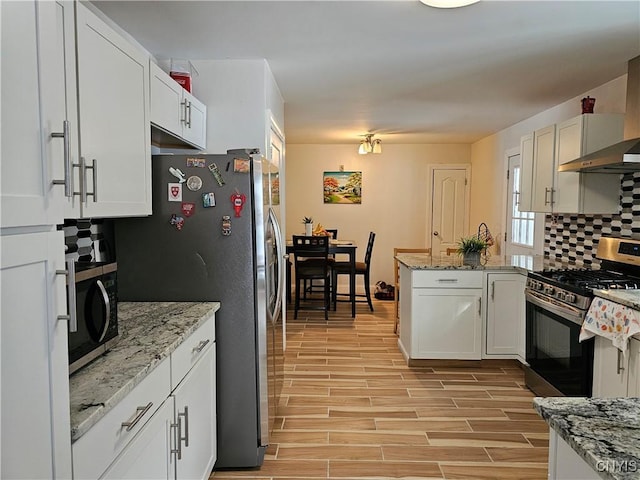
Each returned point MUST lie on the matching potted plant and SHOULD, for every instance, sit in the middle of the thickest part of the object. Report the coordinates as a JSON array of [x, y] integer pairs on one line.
[[308, 226], [470, 249]]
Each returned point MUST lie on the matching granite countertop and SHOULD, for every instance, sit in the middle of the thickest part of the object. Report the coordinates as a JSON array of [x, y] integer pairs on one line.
[[149, 332], [603, 431], [630, 298], [525, 263]]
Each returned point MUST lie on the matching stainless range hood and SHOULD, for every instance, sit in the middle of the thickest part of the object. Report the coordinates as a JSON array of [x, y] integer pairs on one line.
[[622, 157]]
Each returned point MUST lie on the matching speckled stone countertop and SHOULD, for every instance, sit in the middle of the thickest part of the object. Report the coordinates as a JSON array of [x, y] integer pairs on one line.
[[605, 432], [630, 298], [149, 332], [524, 263]]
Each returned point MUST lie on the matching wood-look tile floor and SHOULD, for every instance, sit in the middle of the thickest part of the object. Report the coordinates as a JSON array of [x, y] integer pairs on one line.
[[352, 409]]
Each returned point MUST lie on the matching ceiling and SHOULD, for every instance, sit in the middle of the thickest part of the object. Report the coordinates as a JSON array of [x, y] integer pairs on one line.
[[407, 72]]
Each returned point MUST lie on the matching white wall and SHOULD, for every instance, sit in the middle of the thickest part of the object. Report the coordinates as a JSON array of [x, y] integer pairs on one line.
[[394, 194]]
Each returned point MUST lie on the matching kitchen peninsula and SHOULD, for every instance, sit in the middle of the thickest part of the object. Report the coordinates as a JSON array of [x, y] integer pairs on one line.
[[448, 310]]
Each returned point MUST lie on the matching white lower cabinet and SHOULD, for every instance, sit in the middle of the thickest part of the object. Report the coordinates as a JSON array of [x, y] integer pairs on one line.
[[565, 463], [505, 319], [157, 431], [146, 456], [444, 313], [179, 440], [615, 375], [34, 406], [195, 420]]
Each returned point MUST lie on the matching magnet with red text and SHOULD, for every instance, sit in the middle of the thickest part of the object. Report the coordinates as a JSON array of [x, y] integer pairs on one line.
[[226, 225], [175, 192], [188, 208], [238, 199], [177, 221]]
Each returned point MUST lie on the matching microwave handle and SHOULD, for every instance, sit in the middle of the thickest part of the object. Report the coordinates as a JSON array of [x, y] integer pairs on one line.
[[70, 272], [107, 308]]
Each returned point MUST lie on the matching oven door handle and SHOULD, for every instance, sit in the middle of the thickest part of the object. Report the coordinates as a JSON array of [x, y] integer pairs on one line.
[[572, 314]]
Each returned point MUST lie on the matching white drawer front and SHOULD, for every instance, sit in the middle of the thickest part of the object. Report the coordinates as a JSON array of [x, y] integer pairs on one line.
[[96, 449], [191, 350], [447, 278]]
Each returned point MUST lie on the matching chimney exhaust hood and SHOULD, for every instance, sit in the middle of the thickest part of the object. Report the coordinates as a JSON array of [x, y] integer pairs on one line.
[[622, 157]]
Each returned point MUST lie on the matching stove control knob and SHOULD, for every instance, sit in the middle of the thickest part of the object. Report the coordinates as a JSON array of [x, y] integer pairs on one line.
[[549, 290], [539, 286], [561, 295], [570, 298]]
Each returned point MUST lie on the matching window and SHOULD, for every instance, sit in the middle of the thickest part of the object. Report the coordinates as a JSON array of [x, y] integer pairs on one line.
[[522, 223]]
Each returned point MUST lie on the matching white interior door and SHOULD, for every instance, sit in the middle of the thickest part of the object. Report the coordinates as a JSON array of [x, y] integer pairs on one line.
[[449, 206]]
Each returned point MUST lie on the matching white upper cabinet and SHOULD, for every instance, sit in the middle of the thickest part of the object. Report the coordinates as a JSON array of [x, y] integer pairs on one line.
[[175, 111], [586, 192], [544, 189], [113, 105], [34, 112]]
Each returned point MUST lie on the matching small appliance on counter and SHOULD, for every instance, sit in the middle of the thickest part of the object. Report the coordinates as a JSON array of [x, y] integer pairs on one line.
[[93, 297]]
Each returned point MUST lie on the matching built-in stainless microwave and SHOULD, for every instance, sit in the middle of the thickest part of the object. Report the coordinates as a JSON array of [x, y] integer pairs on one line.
[[93, 327]]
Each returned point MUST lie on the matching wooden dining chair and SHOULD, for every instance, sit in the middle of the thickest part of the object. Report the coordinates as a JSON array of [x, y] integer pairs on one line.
[[311, 260], [396, 269], [361, 269], [311, 288]]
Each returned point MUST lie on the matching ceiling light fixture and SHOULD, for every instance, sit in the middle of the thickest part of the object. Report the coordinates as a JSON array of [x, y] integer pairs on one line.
[[448, 3], [370, 145]]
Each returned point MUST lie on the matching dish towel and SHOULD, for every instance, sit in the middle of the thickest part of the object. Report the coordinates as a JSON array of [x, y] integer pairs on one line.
[[611, 320]]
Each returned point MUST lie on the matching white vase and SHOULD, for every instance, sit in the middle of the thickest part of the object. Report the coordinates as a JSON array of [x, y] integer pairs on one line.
[[308, 229]]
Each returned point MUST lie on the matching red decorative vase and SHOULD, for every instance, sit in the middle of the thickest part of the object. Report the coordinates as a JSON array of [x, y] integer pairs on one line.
[[587, 104]]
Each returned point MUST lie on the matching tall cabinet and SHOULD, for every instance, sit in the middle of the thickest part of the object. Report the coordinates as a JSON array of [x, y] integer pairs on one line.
[[34, 399]]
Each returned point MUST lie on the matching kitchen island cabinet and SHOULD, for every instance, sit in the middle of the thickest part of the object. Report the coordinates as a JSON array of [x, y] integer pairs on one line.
[[454, 311], [444, 311], [505, 315]]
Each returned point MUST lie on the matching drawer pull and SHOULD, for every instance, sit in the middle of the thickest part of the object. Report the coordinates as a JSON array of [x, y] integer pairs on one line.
[[140, 412], [203, 343], [448, 280]]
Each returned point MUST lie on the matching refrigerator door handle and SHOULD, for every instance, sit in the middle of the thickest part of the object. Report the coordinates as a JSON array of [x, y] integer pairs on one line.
[[280, 260]]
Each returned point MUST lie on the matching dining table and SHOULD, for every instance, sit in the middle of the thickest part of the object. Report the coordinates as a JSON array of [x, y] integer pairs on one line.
[[343, 247]]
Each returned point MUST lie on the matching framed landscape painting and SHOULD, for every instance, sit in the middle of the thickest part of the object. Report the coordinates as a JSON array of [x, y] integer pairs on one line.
[[342, 187]]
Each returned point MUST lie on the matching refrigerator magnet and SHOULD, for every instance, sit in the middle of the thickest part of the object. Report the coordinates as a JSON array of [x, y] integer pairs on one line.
[[175, 192], [195, 162], [194, 183], [213, 168], [188, 208], [177, 221], [208, 200], [226, 225], [241, 165], [238, 199], [176, 172]]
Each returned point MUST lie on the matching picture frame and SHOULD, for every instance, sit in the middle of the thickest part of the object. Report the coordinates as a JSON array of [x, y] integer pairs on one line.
[[342, 187]]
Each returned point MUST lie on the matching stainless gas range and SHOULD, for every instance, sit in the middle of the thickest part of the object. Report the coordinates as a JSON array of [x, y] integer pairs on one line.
[[557, 302]]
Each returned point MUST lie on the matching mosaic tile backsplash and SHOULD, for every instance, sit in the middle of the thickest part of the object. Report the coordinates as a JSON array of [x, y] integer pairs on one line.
[[574, 238], [88, 240]]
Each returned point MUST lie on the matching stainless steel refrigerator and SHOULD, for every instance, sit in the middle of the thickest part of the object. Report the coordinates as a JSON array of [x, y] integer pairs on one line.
[[214, 236]]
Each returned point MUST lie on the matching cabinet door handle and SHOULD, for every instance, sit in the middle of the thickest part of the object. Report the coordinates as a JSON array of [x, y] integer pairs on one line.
[[619, 367], [198, 348], [140, 412], [70, 272], [480, 306], [517, 195], [493, 290], [189, 116], [185, 415], [94, 169], [68, 188], [177, 438], [547, 191], [183, 104]]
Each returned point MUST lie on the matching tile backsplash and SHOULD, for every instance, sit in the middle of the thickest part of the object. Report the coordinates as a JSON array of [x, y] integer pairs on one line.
[[574, 238], [88, 240]]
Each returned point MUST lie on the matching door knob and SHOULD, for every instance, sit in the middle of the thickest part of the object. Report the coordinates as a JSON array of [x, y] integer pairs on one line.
[[435, 234]]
